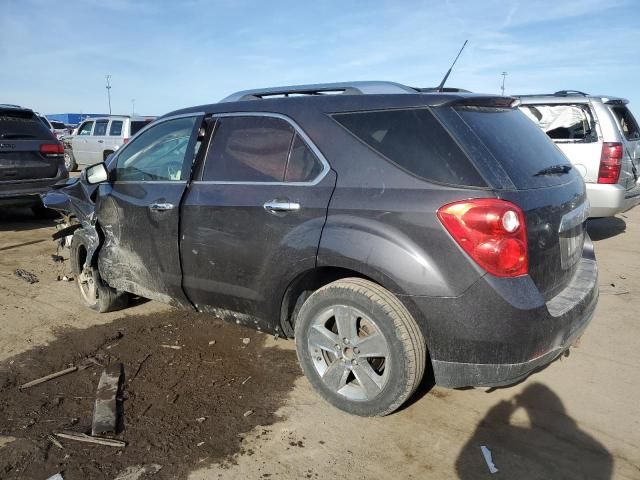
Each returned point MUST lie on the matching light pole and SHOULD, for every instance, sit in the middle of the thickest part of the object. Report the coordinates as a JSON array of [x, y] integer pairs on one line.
[[504, 75], [108, 87], [133, 107]]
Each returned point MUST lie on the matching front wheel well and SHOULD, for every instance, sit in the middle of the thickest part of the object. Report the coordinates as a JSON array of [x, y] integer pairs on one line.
[[303, 286]]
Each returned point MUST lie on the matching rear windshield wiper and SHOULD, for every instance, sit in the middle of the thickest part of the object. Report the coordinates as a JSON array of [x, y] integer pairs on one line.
[[16, 135], [554, 170]]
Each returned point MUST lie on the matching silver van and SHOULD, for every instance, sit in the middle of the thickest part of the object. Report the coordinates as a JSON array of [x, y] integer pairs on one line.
[[97, 138], [601, 139]]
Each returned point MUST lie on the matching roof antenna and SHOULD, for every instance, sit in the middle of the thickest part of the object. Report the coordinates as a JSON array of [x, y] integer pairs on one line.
[[440, 87]]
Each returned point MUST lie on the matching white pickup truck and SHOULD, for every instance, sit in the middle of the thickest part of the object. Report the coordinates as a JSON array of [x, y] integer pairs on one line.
[[97, 138]]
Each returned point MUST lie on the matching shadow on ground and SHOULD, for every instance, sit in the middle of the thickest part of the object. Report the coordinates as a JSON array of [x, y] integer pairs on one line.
[[531, 436], [603, 228], [19, 219], [184, 407]]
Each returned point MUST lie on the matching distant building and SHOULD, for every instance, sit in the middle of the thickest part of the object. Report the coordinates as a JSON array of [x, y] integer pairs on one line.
[[73, 118]]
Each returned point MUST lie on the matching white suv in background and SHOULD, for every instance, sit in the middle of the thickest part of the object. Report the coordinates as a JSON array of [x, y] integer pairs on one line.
[[97, 138], [601, 139]]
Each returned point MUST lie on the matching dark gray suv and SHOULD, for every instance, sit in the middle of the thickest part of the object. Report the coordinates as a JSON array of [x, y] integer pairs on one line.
[[31, 158], [389, 231]]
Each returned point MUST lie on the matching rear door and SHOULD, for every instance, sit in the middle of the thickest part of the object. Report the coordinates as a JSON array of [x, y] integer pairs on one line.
[[138, 210], [80, 143], [113, 141], [630, 133], [252, 221], [21, 135]]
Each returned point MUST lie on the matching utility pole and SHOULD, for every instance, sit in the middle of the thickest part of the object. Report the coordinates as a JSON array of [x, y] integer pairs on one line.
[[133, 107], [504, 75], [108, 87]]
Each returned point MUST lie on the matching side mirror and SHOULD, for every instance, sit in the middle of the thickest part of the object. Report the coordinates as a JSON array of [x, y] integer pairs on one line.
[[96, 173]]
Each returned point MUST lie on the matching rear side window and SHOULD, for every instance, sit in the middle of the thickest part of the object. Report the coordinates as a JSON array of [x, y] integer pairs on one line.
[[570, 123], [249, 149], [101, 127], [137, 125], [521, 148], [18, 125], [414, 140], [303, 165], [626, 122], [115, 129]]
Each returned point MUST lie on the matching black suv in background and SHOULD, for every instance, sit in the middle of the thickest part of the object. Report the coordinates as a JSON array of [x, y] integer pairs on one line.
[[389, 231], [31, 158]]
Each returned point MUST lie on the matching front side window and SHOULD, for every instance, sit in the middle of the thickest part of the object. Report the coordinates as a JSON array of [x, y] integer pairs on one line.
[[249, 149], [85, 129], [115, 130], [158, 154], [101, 127], [563, 123]]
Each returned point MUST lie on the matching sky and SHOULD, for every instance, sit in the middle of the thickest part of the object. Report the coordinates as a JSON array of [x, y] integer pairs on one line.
[[173, 54]]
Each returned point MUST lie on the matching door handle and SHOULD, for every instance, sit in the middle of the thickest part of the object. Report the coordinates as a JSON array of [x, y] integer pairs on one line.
[[280, 206], [100, 141], [160, 207]]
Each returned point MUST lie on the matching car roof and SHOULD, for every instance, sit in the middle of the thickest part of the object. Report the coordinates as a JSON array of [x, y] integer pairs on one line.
[[340, 97], [120, 117], [569, 96]]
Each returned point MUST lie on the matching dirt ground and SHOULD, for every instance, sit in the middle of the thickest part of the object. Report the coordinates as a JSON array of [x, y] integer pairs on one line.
[[184, 409]]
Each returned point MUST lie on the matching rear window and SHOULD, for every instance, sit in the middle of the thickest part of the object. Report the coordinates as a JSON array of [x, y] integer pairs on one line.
[[18, 125], [523, 150], [415, 141], [563, 123], [626, 122]]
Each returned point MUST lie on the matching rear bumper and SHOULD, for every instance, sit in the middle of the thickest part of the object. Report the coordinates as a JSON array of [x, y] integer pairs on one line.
[[608, 200], [501, 330], [27, 192]]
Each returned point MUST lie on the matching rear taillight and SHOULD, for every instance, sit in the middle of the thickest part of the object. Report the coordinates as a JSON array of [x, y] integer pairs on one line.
[[50, 149], [491, 231], [125, 140], [610, 162]]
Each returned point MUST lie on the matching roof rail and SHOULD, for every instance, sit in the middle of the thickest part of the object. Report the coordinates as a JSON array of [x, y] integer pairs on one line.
[[565, 93], [345, 88], [443, 90]]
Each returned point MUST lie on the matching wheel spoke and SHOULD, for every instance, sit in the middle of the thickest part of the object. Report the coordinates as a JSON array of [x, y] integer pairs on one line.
[[321, 337], [347, 322], [335, 377], [367, 378], [373, 346]]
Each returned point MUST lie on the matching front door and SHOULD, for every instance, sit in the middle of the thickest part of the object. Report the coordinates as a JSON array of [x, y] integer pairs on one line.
[[252, 221], [80, 143], [138, 211]]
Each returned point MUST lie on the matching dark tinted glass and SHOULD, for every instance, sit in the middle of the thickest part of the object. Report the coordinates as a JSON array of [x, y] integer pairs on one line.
[[627, 123], [248, 149], [116, 128], [522, 148], [101, 127], [137, 125], [21, 125], [58, 125], [414, 140], [303, 165]]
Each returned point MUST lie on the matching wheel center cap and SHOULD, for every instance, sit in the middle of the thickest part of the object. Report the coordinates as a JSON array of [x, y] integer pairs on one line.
[[348, 353]]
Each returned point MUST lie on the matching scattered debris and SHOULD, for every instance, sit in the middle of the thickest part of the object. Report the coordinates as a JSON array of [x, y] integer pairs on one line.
[[212, 342], [201, 419], [55, 442], [26, 276], [57, 258], [246, 341], [137, 471], [65, 278], [105, 412], [200, 444], [57, 476], [487, 458], [83, 437], [140, 365], [46, 378], [174, 347], [247, 413], [246, 380]]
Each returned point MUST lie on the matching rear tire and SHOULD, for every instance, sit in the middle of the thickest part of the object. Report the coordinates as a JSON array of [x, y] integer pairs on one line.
[[69, 160], [94, 292], [359, 347]]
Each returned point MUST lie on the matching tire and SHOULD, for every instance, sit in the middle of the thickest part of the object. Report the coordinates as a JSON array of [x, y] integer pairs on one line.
[[40, 211], [383, 360], [69, 160], [94, 292]]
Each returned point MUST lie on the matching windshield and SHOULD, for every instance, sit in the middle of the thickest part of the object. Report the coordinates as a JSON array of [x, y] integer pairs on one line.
[[521, 148]]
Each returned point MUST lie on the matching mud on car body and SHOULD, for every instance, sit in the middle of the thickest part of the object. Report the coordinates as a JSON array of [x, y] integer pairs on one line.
[[389, 231]]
